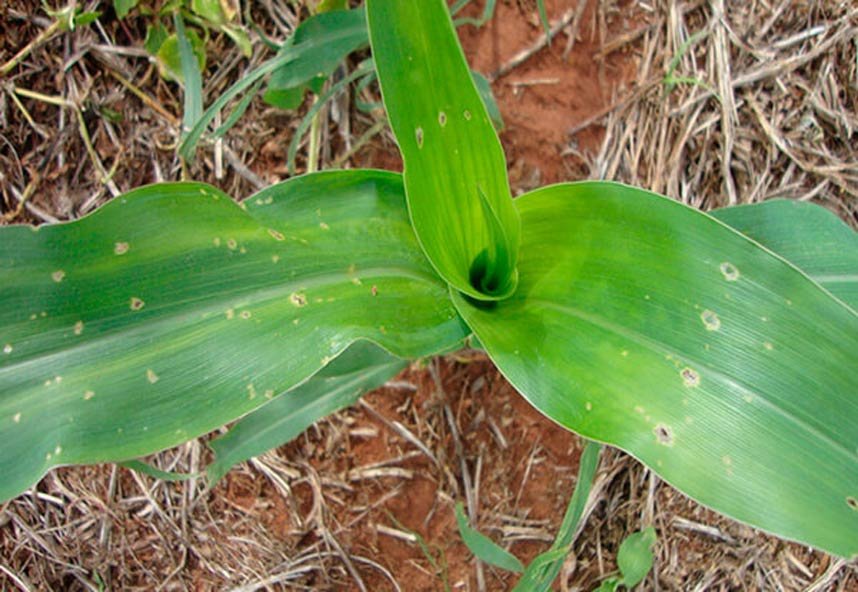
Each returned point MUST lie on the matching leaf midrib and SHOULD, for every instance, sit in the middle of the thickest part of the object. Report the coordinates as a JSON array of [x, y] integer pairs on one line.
[[150, 324]]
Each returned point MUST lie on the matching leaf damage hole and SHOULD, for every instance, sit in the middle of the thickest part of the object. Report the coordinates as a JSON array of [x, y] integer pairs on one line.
[[58, 275], [136, 303], [663, 434], [690, 377], [852, 503], [298, 299], [710, 320], [121, 248], [729, 271], [418, 134]]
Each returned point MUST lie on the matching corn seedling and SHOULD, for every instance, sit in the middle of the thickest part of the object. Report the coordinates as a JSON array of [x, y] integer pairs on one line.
[[720, 350]]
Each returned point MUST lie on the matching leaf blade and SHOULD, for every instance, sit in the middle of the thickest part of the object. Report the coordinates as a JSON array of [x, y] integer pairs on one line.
[[647, 325], [122, 330], [483, 547], [441, 124], [808, 236]]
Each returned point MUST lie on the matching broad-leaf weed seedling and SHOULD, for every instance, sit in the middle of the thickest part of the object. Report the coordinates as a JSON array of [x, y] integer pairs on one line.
[[717, 349]]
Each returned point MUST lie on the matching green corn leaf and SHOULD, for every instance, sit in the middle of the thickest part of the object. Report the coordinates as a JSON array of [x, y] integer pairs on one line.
[[451, 153], [172, 310], [483, 547], [361, 368], [642, 323], [635, 556], [544, 569], [347, 31], [808, 236]]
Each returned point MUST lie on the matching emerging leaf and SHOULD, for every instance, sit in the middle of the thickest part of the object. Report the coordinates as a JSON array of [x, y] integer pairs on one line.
[[454, 165]]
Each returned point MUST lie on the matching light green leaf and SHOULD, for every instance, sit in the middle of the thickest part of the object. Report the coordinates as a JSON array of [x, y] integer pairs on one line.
[[347, 32], [169, 58], [331, 5], [191, 76], [483, 547], [359, 369], [642, 323], [172, 310], [808, 236], [635, 556], [240, 37], [544, 569], [488, 98], [609, 585], [123, 7], [212, 11], [155, 472], [451, 153], [156, 34]]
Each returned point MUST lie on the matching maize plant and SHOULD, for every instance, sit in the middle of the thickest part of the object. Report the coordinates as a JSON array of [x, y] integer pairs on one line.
[[719, 349]]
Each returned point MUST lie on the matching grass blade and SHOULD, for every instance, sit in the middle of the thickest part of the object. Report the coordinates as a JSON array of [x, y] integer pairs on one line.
[[483, 547], [193, 81], [545, 568]]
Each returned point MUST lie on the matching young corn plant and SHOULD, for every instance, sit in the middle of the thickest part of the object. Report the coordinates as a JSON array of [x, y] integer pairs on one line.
[[718, 349]]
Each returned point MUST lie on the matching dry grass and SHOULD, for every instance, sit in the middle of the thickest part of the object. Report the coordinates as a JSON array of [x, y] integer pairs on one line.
[[764, 105]]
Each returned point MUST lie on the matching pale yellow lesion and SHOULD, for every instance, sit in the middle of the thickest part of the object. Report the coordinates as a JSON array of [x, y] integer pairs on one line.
[[151, 376], [710, 320], [663, 434], [298, 298], [121, 248], [729, 271], [690, 377], [58, 275]]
